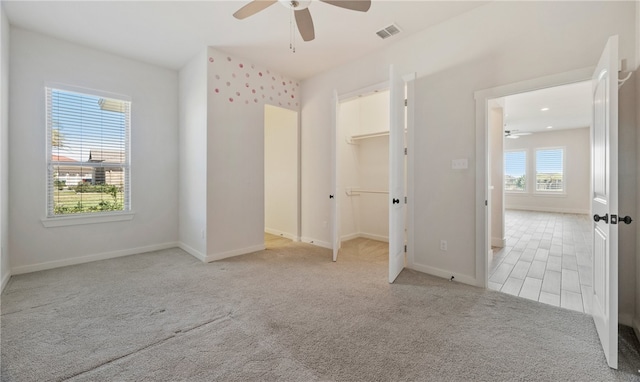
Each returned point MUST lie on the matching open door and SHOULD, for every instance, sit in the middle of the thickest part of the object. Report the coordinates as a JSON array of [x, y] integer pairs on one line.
[[396, 175], [335, 238], [604, 200]]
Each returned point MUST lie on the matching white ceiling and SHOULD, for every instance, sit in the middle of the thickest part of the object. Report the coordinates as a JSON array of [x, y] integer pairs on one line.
[[169, 33], [569, 107]]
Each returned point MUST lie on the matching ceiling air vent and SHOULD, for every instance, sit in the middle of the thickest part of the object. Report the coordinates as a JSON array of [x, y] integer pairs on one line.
[[388, 31]]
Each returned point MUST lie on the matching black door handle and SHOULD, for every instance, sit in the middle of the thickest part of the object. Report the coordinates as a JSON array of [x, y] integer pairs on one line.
[[597, 218], [330, 196], [626, 220], [396, 201]]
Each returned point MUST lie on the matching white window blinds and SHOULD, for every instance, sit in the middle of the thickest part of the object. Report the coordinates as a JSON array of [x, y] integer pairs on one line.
[[515, 170], [550, 170], [87, 153]]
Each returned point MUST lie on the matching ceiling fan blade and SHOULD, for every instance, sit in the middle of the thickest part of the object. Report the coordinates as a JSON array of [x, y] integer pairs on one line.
[[305, 24], [512, 136], [354, 5], [522, 134], [252, 8]]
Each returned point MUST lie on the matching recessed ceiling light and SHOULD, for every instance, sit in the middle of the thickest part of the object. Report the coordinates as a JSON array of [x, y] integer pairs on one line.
[[549, 127], [544, 109]]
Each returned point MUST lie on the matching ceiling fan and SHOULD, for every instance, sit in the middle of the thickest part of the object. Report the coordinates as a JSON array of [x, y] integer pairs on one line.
[[513, 135], [301, 11]]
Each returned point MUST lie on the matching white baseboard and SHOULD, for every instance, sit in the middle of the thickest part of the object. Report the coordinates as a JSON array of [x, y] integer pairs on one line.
[[636, 326], [374, 237], [549, 209], [319, 243], [5, 281], [193, 252], [444, 274], [364, 235], [287, 235], [232, 253], [625, 319], [498, 242], [89, 258]]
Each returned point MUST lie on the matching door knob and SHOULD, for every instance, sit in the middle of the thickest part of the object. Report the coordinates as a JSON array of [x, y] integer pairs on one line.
[[396, 201], [597, 218], [626, 220]]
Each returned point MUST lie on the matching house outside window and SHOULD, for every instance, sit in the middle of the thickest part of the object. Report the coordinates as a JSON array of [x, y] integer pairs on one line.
[[515, 171], [550, 170], [87, 152]]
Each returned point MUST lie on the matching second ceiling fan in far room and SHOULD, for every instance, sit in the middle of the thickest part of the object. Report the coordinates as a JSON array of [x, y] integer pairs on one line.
[[301, 11]]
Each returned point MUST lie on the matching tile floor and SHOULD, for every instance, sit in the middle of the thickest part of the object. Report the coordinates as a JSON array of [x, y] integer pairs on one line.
[[547, 258]]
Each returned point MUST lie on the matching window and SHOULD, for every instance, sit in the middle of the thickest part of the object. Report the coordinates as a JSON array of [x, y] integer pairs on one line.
[[515, 170], [87, 153], [550, 170]]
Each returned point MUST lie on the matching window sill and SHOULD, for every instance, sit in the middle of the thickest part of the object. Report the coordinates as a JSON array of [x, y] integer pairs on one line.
[[63, 221], [551, 194]]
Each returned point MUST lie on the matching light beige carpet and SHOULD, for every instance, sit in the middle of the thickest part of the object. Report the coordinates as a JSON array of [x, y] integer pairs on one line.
[[287, 313]]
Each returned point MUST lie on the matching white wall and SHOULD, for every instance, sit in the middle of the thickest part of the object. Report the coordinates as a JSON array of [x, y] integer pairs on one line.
[[193, 156], [237, 91], [496, 137], [577, 157], [36, 59], [281, 172], [636, 319], [519, 41], [5, 271]]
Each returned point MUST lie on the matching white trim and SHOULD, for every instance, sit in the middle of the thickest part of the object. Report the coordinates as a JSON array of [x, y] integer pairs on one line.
[[90, 258], [87, 91], [319, 243], [498, 242], [88, 218], [193, 252], [549, 209], [371, 236], [276, 232], [482, 98], [350, 236], [5, 280], [381, 86], [234, 252], [444, 274]]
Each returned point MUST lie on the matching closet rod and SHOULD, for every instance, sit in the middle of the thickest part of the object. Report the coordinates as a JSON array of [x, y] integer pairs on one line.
[[357, 191]]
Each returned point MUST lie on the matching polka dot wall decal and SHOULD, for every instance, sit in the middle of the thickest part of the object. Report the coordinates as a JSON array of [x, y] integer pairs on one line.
[[260, 74], [217, 76], [241, 66], [228, 83], [285, 91], [230, 99], [273, 87], [255, 100], [233, 75], [292, 96], [210, 59], [261, 87], [273, 78], [229, 59], [246, 85], [217, 90], [238, 94], [284, 83], [253, 66], [246, 102], [247, 75], [253, 91], [290, 81]]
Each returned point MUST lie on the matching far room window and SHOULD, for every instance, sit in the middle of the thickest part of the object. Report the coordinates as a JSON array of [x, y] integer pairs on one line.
[[550, 170], [515, 170], [87, 152]]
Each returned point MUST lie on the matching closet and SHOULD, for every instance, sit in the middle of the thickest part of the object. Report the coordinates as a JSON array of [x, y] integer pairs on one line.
[[363, 167]]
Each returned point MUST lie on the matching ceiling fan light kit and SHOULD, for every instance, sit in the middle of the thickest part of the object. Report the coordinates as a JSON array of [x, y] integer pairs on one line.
[[301, 13]]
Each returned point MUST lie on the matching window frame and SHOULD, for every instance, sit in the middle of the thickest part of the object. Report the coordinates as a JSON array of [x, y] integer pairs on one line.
[[563, 192], [55, 220], [526, 172]]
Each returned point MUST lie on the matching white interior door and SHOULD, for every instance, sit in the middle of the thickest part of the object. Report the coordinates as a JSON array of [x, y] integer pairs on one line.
[[604, 201], [335, 216], [396, 175]]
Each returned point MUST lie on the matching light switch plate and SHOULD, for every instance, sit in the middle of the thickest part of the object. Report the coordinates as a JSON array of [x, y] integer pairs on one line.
[[460, 164]]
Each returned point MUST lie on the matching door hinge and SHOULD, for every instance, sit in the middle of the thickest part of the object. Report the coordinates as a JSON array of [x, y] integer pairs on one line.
[[405, 151], [405, 102], [405, 200], [405, 248], [486, 203], [614, 219]]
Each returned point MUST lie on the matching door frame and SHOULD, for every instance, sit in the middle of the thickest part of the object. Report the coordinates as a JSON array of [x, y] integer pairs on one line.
[[482, 98]]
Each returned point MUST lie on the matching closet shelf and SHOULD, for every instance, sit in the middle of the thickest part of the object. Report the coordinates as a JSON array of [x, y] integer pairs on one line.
[[352, 139], [358, 191]]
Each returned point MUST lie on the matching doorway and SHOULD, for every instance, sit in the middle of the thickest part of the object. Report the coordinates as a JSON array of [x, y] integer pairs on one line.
[[281, 176], [539, 156], [362, 132]]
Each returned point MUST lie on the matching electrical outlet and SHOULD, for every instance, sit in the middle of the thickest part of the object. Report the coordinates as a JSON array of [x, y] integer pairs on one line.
[[443, 245]]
